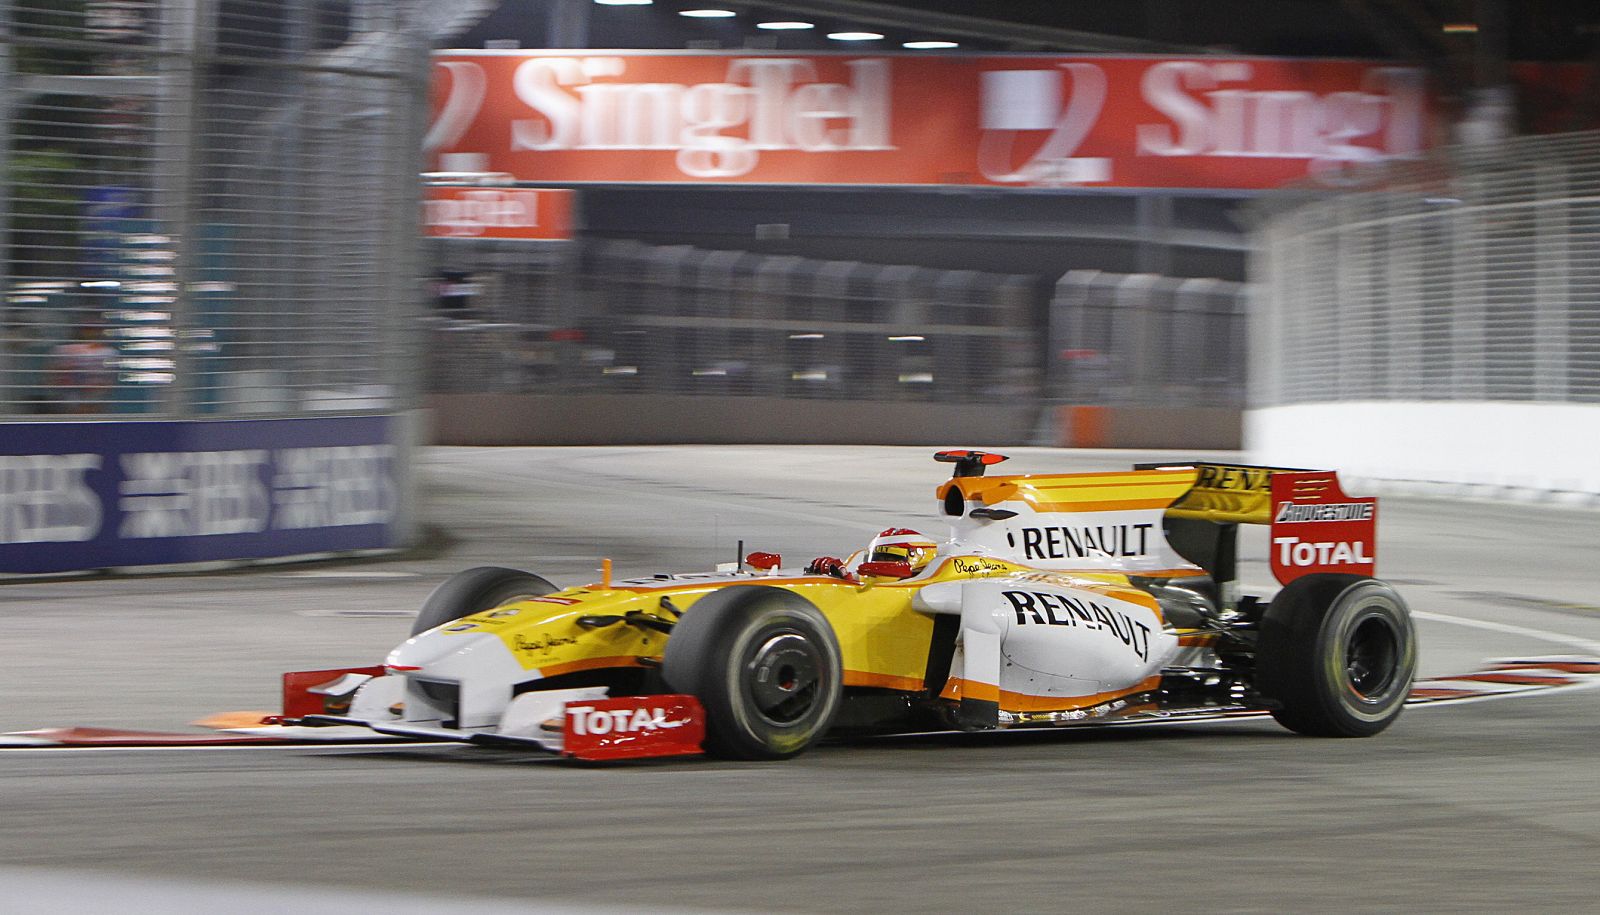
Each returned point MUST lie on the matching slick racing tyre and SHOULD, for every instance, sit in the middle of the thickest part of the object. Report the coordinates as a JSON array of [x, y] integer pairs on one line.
[[1337, 653], [475, 591], [765, 665]]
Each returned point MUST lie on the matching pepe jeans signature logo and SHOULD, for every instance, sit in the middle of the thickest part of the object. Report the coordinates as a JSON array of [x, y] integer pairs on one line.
[[540, 644], [979, 566]]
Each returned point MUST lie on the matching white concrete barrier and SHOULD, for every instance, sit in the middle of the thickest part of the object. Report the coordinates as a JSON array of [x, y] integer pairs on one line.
[[1501, 449]]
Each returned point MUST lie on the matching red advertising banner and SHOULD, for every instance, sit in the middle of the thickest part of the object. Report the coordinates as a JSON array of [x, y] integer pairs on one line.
[[498, 212], [1054, 121], [1317, 528]]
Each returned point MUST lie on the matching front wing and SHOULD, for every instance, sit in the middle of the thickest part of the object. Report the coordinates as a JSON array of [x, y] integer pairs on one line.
[[582, 723]]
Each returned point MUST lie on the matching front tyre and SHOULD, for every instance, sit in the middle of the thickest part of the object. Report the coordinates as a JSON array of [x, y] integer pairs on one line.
[[765, 665], [1337, 653], [475, 591]]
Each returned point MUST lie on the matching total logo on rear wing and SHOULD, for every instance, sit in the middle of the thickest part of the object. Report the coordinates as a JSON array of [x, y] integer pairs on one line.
[[1317, 528]]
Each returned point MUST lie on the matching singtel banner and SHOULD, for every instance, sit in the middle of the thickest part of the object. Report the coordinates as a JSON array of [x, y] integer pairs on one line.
[[96, 495], [842, 119], [543, 214]]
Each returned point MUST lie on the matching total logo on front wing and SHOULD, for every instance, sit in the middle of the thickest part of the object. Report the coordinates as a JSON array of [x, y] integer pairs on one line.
[[633, 726], [586, 719]]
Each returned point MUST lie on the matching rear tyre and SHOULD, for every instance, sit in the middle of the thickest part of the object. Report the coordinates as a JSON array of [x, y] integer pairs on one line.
[[1337, 653], [475, 591], [765, 665]]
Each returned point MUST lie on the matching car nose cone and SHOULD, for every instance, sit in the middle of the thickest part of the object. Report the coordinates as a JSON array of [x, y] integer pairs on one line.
[[437, 650]]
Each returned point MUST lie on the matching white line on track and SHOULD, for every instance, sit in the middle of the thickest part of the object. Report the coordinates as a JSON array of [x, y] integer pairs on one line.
[[1590, 683], [1541, 634]]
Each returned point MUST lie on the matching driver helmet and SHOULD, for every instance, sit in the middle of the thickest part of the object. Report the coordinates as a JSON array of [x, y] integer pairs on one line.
[[901, 544]]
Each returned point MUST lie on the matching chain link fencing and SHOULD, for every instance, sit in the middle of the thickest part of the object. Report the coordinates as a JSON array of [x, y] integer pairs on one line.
[[210, 210], [211, 206], [1147, 340], [1473, 275], [502, 316], [674, 319]]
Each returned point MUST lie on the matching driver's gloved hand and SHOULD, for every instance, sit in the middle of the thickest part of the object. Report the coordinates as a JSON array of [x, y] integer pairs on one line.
[[827, 565]]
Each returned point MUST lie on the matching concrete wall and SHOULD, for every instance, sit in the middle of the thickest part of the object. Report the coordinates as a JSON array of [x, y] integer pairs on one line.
[[1482, 448], [613, 419]]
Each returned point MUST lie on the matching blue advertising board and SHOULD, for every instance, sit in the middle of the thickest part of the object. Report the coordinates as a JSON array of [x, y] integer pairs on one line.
[[94, 495]]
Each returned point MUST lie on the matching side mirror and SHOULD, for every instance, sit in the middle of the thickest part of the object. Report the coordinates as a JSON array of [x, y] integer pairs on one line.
[[763, 561], [898, 569]]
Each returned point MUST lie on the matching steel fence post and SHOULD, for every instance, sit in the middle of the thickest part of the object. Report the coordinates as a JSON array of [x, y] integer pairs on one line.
[[1467, 326], [1190, 318], [775, 283], [407, 86], [1269, 269], [1347, 282], [1136, 310], [8, 330], [185, 50], [1551, 293], [1071, 325], [1405, 336]]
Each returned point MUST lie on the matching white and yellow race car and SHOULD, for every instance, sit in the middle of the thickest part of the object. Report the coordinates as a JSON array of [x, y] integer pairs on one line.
[[1060, 599]]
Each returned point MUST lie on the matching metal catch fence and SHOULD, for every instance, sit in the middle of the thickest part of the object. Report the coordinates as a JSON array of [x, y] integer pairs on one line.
[[682, 320], [1147, 340], [1471, 275], [211, 205]]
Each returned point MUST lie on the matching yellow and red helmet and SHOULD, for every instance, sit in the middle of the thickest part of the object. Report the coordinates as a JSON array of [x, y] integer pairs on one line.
[[902, 544]]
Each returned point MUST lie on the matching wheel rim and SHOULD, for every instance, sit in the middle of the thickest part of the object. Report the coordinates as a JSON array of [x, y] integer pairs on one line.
[[1371, 658], [784, 678]]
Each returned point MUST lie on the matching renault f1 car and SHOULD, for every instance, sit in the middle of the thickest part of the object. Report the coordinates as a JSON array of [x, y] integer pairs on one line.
[[1056, 600]]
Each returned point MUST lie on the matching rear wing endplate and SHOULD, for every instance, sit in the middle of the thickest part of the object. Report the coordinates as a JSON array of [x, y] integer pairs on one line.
[[1315, 526]]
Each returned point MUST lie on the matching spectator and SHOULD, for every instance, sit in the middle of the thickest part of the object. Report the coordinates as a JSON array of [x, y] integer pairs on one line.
[[81, 372]]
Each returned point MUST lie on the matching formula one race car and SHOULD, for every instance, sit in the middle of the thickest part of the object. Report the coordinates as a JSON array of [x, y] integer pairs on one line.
[[1061, 599]]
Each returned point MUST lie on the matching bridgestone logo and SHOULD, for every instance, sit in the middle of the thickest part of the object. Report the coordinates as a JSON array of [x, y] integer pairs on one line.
[[1339, 511]]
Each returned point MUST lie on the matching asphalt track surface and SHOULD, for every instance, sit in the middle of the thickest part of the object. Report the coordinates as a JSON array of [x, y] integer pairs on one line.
[[1483, 806]]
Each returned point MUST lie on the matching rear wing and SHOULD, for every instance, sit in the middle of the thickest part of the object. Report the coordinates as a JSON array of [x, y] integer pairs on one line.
[[1315, 526], [1160, 519]]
